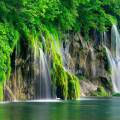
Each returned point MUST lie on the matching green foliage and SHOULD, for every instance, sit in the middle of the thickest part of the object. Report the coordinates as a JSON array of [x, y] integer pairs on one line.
[[73, 86], [67, 15], [92, 15], [116, 95], [61, 82], [112, 7], [1, 91], [101, 92], [8, 39], [28, 15]]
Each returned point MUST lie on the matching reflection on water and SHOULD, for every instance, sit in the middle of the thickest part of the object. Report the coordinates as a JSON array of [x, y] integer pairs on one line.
[[85, 109]]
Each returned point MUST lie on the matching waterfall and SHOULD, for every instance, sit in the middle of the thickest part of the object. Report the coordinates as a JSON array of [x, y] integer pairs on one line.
[[65, 53], [115, 70], [66, 57], [93, 60], [115, 43], [45, 80], [114, 58], [41, 75], [105, 39]]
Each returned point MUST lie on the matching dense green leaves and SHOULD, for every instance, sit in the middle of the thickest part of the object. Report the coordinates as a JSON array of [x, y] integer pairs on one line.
[[67, 15], [8, 38]]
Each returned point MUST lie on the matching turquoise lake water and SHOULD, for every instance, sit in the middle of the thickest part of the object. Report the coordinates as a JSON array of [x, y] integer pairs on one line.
[[84, 109]]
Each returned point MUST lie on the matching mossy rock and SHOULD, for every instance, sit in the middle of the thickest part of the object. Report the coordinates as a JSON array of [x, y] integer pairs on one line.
[[61, 82], [73, 87], [101, 92], [116, 95], [1, 92]]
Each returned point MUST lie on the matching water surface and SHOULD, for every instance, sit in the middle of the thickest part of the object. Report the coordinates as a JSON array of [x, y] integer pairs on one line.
[[84, 109]]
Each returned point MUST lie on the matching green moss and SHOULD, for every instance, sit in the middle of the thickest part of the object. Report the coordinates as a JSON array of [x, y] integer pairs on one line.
[[73, 86], [116, 95], [101, 92], [1, 92], [61, 82], [67, 85], [82, 77]]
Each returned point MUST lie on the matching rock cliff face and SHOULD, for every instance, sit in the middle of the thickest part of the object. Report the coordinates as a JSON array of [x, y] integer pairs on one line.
[[88, 61], [21, 85], [85, 59]]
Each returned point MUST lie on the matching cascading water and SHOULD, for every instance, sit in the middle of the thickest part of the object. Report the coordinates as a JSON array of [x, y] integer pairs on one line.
[[93, 59], [115, 71], [66, 57], [105, 39], [115, 43], [114, 58], [41, 75], [65, 53], [45, 80]]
